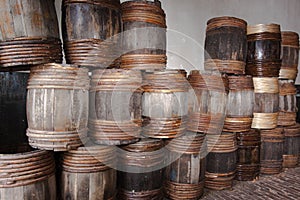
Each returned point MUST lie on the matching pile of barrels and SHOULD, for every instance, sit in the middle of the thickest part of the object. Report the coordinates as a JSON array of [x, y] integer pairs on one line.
[[114, 123]]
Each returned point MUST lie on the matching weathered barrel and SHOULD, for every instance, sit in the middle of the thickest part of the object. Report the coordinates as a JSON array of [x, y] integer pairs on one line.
[[207, 112], [266, 103], [289, 55], [165, 103], [57, 107], [184, 178], [264, 47], [90, 29], [29, 33], [115, 106], [26, 173], [87, 173], [248, 155], [287, 103], [226, 45], [13, 107], [221, 161], [140, 174], [291, 146], [142, 19], [240, 102], [271, 152]]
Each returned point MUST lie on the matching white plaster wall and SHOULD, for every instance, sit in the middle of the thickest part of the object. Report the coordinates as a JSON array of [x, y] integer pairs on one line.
[[186, 21]]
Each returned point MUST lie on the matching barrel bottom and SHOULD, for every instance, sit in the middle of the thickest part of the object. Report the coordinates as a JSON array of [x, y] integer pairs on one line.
[[237, 124], [290, 161], [143, 195], [247, 172], [225, 66], [216, 181], [270, 167], [45, 189], [286, 118], [180, 191]]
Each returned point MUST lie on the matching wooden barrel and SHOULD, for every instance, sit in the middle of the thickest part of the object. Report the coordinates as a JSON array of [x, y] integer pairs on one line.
[[221, 161], [144, 37], [289, 55], [271, 152], [287, 103], [13, 107], [57, 107], [29, 33], [115, 106], [184, 178], [26, 173], [165, 103], [240, 104], [248, 155], [266, 103], [140, 174], [207, 112], [226, 45], [291, 147], [87, 174], [264, 47], [88, 27]]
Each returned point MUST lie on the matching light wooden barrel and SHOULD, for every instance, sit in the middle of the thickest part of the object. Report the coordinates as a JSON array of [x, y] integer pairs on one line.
[[164, 103], [140, 174], [221, 161], [272, 144], [266, 103], [240, 104], [208, 111], [291, 146], [88, 28], [26, 173], [287, 103], [226, 45], [29, 33], [115, 106], [87, 173], [184, 178], [264, 47], [248, 156], [13, 107], [57, 107], [144, 38], [289, 55]]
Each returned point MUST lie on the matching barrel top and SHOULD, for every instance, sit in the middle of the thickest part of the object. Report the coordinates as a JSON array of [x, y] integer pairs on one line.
[[67, 67], [262, 28], [131, 3], [225, 21], [290, 38], [144, 145]]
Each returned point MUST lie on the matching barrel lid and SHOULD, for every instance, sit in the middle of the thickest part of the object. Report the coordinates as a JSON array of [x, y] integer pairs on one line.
[[261, 28]]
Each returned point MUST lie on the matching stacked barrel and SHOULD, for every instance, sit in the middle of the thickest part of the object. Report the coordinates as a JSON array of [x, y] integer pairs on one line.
[[263, 63], [287, 98]]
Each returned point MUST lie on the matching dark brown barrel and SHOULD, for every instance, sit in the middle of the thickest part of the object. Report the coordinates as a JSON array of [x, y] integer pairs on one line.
[[13, 107], [248, 156], [115, 106], [240, 104], [291, 146], [266, 103], [226, 45], [271, 152], [287, 103], [209, 98], [26, 173], [165, 103], [88, 28], [140, 174], [289, 55], [184, 178], [142, 19], [29, 33], [264, 47], [87, 174], [57, 107], [221, 161]]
